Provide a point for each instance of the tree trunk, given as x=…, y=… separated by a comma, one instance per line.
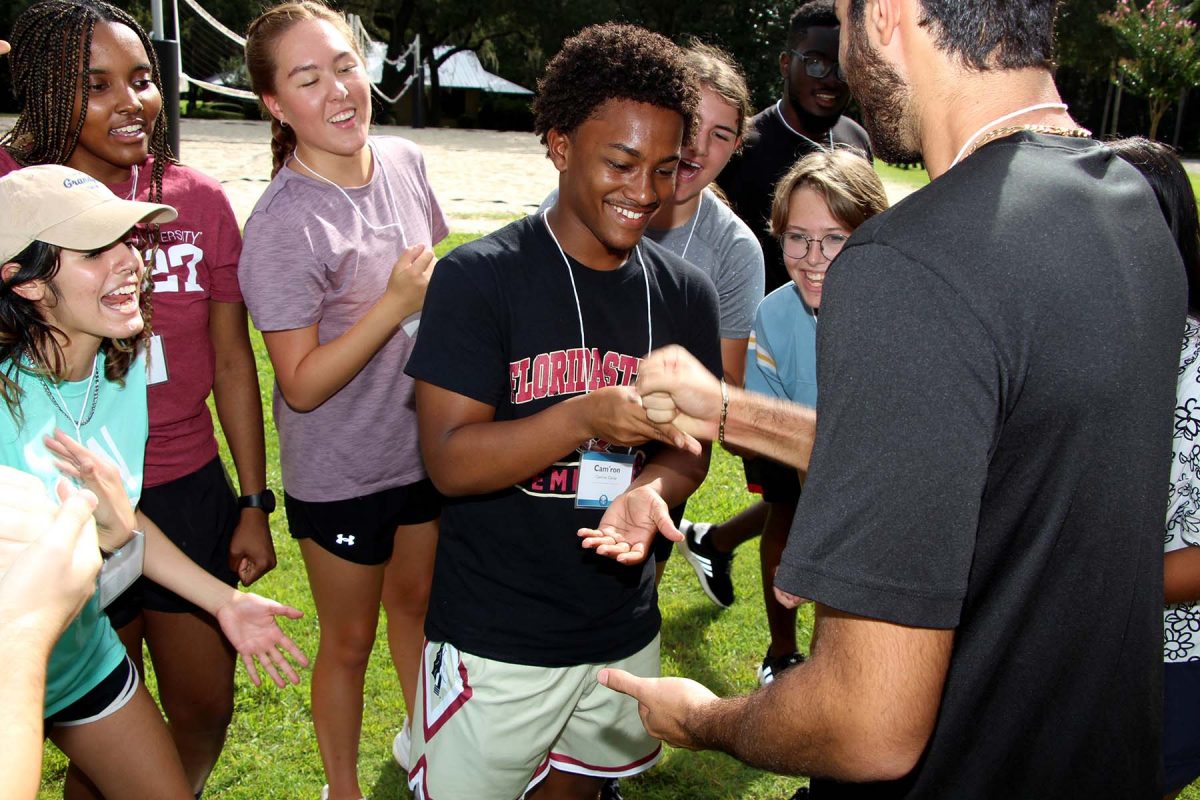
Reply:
x=1158, y=108
x=435, y=84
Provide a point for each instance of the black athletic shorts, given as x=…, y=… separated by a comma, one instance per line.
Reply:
x=363, y=529
x=104, y=699
x=777, y=483
x=198, y=513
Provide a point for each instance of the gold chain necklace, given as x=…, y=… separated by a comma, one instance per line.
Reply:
x=1053, y=130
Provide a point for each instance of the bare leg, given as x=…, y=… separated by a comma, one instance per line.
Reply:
x=559, y=785
x=194, y=665
x=781, y=621
x=406, y=583
x=347, y=598
x=741, y=527
x=78, y=786
x=127, y=755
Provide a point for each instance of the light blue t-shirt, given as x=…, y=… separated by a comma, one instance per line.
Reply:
x=89, y=648
x=781, y=357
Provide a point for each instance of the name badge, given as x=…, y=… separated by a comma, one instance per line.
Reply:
x=157, y=361
x=121, y=569
x=602, y=478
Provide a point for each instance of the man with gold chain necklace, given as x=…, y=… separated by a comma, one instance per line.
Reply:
x=981, y=525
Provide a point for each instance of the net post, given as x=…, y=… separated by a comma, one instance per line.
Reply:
x=167, y=51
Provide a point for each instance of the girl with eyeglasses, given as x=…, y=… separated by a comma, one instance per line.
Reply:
x=817, y=205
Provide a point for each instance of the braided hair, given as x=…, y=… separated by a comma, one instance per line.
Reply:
x=48, y=74
x=261, y=37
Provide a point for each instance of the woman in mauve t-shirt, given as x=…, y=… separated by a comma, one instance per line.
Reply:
x=336, y=259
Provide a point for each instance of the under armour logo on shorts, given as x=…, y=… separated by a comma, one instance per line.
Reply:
x=347, y=540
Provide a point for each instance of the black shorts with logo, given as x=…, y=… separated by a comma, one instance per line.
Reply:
x=363, y=529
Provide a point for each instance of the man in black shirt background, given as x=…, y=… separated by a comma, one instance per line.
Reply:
x=806, y=118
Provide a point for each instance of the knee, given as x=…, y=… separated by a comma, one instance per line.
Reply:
x=347, y=646
x=409, y=598
x=208, y=711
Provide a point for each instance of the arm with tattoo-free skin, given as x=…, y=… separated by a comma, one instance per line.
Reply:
x=685, y=398
x=862, y=708
x=49, y=557
x=456, y=429
x=309, y=372
x=239, y=407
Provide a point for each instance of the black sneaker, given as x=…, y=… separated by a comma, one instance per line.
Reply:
x=611, y=790
x=714, y=569
x=772, y=667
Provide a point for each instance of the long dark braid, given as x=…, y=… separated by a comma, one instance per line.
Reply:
x=47, y=71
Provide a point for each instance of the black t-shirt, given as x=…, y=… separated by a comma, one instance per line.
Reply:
x=997, y=358
x=511, y=581
x=769, y=150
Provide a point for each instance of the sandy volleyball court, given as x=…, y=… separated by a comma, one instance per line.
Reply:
x=482, y=179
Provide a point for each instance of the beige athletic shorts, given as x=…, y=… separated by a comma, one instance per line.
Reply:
x=489, y=730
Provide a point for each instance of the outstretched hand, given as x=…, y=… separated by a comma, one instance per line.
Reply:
x=629, y=526
x=664, y=704
x=249, y=623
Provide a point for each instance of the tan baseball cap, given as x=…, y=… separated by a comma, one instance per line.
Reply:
x=64, y=207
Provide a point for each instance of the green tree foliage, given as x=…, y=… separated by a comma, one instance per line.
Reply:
x=1160, y=51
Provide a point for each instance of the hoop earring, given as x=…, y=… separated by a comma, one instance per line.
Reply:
x=283, y=123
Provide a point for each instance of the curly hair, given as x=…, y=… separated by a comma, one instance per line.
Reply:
x=614, y=62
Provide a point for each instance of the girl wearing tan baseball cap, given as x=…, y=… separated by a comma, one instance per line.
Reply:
x=73, y=314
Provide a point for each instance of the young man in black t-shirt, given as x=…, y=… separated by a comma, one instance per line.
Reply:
x=530, y=342
x=981, y=528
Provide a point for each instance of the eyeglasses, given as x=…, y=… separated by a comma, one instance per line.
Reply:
x=818, y=66
x=795, y=245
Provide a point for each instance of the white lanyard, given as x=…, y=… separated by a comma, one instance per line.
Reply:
x=1003, y=118
x=587, y=356
x=88, y=401
x=695, y=219
x=783, y=119
x=387, y=186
